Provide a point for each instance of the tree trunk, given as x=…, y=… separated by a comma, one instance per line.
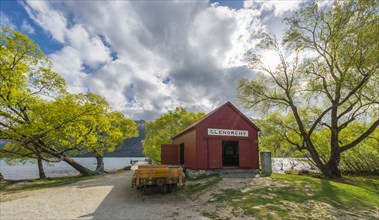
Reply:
x=41, y=171
x=100, y=164
x=330, y=169
x=62, y=156
x=82, y=170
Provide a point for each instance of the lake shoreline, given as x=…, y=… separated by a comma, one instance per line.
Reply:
x=62, y=169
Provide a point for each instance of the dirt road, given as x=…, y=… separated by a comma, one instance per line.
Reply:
x=109, y=197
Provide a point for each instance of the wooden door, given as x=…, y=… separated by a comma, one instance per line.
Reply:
x=214, y=154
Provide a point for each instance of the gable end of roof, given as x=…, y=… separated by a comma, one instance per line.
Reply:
x=201, y=120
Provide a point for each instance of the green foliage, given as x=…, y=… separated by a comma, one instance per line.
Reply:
x=362, y=158
x=110, y=131
x=280, y=135
x=365, y=156
x=43, y=120
x=161, y=130
x=26, y=82
x=277, y=134
x=327, y=79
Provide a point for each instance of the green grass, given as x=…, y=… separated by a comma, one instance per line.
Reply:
x=291, y=195
x=369, y=182
x=329, y=191
x=21, y=185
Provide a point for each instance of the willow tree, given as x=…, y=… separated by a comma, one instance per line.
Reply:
x=329, y=66
x=33, y=102
x=161, y=130
x=25, y=76
x=42, y=120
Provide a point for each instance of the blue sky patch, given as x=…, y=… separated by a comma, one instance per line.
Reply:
x=236, y=4
x=17, y=15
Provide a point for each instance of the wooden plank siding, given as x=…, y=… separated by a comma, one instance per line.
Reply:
x=203, y=151
x=189, y=140
x=170, y=154
x=227, y=118
x=215, y=154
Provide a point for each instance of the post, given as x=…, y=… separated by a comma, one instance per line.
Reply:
x=266, y=163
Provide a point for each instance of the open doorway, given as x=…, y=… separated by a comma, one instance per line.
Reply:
x=230, y=157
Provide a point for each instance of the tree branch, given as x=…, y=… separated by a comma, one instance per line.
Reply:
x=361, y=138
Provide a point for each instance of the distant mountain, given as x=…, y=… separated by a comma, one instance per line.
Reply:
x=132, y=147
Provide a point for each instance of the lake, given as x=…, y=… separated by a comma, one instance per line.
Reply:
x=30, y=170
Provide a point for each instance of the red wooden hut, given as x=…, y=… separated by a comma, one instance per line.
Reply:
x=223, y=139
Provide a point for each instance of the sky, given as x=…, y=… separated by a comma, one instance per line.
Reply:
x=148, y=57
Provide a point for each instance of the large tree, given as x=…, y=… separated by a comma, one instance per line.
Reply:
x=25, y=76
x=43, y=121
x=280, y=136
x=161, y=130
x=55, y=130
x=327, y=78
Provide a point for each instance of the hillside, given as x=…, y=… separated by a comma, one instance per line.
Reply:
x=131, y=147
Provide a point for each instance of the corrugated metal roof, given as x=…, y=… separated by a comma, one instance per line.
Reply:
x=196, y=123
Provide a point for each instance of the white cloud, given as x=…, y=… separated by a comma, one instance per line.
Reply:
x=186, y=53
x=91, y=49
x=25, y=26
x=279, y=7
x=6, y=21
x=68, y=64
x=50, y=20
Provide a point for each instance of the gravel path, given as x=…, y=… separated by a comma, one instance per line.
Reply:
x=109, y=197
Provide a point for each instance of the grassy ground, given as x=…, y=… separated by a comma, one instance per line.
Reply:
x=200, y=184
x=294, y=196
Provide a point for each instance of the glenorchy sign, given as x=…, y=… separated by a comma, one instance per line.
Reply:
x=226, y=132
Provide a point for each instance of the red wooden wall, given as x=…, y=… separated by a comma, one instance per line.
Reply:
x=170, y=154
x=189, y=141
x=203, y=152
x=226, y=118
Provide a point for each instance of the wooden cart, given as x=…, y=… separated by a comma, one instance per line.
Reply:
x=157, y=175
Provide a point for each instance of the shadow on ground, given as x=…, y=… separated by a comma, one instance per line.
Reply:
x=123, y=202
